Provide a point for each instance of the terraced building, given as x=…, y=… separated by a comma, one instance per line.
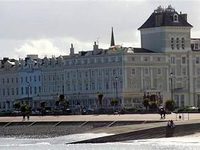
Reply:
x=167, y=66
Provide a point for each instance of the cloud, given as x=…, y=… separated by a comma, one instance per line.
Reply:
x=52, y=47
x=84, y=20
x=42, y=47
x=49, y=27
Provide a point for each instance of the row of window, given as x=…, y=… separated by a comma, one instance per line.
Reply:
x=93, y=60
x=146, y=71
x=20, y=91
x=173, y=60
x=81, y=74
x=184, y=60
x=159, y=71
x=158, y=59
x=21, y=79
x=94, y=73
x=183, y=71
x=177, y=43
x=55, y=77
x=86, y=86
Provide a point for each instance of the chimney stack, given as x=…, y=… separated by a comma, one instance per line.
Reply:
x=71, y=50
x=95, y=46
x=184, y=16
x=158, y=19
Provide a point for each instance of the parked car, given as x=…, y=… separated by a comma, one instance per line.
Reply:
x=16, y=112
x=5, y=113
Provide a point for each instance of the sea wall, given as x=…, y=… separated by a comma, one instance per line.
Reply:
x=157, y=132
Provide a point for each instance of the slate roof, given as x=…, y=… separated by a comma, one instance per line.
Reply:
x=167, y=20
x=142, y=50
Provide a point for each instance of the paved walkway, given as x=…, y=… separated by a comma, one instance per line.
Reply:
x=125, y=117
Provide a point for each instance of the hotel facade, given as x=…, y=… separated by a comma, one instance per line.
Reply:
x=167, y=66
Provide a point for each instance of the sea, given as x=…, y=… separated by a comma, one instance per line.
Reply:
x=62, y=143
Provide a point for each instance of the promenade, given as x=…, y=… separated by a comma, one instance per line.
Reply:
x=124, y=117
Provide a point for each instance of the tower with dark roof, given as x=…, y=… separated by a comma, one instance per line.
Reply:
x=165, y=31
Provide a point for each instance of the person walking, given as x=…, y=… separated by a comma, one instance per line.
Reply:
x=164, y=113
x=23, y=111
x=161, y=110
x=28, y=111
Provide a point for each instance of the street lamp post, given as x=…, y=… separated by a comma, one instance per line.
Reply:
x=28, y=90
x=63, y=90
x=171, y=83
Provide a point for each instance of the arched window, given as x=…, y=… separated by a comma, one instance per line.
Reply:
x=183, y=43
x=172, y=43
x=175, y=18
x=177, y=43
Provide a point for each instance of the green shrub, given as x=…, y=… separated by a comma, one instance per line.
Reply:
x=170, y=105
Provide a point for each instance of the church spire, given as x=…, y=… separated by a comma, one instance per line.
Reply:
x=112, y=43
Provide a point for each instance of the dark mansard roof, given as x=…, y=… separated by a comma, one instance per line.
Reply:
x=165, y=17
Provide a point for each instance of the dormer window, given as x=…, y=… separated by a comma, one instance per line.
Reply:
x=175, y=18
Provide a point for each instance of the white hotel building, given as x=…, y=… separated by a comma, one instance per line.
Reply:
x=166, y=65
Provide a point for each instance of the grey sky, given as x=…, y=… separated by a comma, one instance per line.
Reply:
x=48, y=27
